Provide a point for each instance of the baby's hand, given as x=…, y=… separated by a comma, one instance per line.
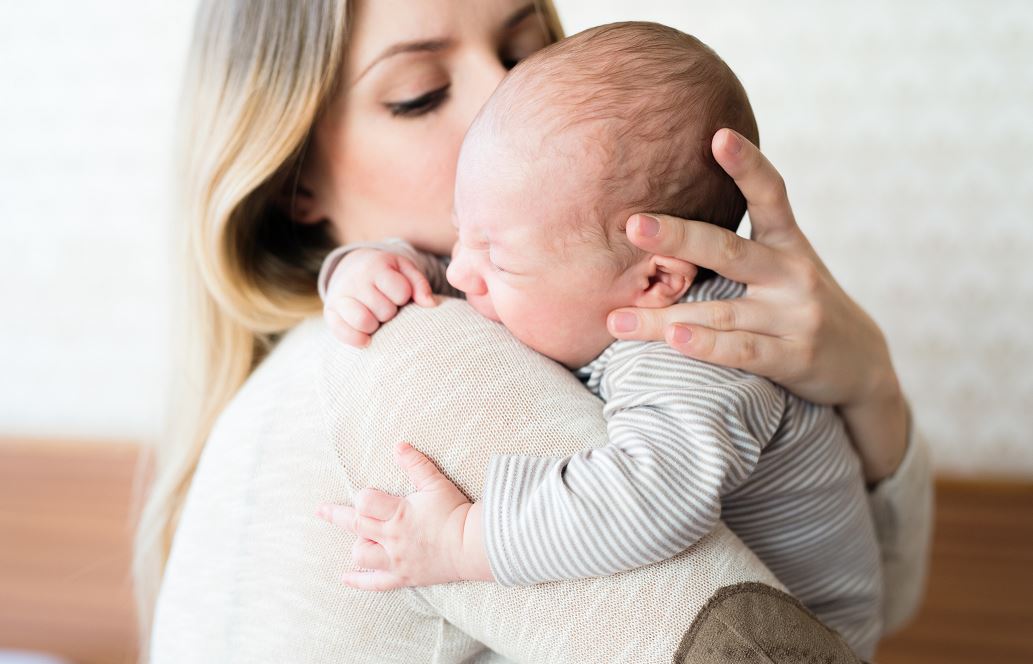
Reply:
x=366, y=289
x=429, y=537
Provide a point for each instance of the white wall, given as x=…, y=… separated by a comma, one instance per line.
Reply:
x=903, y=130
x=87, y=100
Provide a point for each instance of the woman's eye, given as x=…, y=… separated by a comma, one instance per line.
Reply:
x=421, y=105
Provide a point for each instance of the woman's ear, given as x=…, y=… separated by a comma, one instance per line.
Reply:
x=300, y=204
x=668, y=279
x=298, y=197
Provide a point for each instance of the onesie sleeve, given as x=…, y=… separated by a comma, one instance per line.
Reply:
x=681, y=433
x=432, y=266
x=902, y=509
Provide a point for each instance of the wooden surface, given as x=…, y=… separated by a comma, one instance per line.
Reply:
x=64, y=555
x=65, y=547
x=979, y=604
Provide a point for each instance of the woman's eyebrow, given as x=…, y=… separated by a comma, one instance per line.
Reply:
x=519, y=15
x=436, y=45
x=417, y=46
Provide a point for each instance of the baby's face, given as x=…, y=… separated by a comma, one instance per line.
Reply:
x=520, y=261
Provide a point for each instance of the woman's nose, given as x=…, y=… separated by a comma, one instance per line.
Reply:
x=484, y=74
x=464, y=276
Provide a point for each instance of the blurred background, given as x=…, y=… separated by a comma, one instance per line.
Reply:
x=903, y=129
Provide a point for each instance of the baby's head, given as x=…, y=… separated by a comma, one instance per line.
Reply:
x=615, y=120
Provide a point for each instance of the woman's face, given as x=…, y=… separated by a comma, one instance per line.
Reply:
x=383, y=158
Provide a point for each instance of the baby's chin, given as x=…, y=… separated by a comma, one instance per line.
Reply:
x=483, y=306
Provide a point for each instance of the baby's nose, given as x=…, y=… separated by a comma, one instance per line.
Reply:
x=463, y=276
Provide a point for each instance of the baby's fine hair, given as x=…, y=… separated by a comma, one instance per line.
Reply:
x=650, y=99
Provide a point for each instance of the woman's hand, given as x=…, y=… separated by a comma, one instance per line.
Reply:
x=428, y=537
x=795, y=325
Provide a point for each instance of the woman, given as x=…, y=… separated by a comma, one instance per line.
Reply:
x=311, y=124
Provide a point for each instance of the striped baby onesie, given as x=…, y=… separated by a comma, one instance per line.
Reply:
x=691, y=443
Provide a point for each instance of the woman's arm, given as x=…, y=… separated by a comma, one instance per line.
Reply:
x=902, y=508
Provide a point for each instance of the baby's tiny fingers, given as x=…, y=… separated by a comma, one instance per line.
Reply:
x=376, y=581
x=369, y=528
x=344, y=332
x=342, y=516
x=420, y=470
x=367, y=554
x=356, y=314
x=346, y=517
x=376, y=504
x=380, y=306
x=394, y=285
x=422, y=294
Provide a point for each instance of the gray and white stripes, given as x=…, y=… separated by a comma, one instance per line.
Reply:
x=691, y=443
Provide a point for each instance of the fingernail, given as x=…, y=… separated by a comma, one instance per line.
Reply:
x=734, y=143
x=681, y=334
x=622, y=321
x=648, y=226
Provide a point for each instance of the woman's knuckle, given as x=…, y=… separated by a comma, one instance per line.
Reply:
x=732, y=246
x=813, y=317
x=808, y=356
x=723, y=316
x=748, y=350
x=809, y=276
x=776, y=191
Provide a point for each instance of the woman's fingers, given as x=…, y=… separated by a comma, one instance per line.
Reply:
x=712, y=332
x=723, y=315
x=755, y=353
x=376, y=504
x=705, y=245
x=367, y=554
x=420, y=470
x=377, y=580
x=771, y=216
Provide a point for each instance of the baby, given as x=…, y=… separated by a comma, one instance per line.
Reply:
x=575, y=140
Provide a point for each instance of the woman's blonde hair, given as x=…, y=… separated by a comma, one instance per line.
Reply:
x=258, y=75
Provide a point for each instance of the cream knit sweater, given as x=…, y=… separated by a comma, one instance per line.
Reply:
x=253, y=574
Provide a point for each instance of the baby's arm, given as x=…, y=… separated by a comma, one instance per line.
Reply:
x=681, y=435
x=363, y=285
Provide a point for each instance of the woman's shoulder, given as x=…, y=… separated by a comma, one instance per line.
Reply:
x=453, y=383
x=448, y=342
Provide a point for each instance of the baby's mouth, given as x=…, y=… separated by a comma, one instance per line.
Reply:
x=483, y=306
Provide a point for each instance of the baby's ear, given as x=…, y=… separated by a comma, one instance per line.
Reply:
x=669, y=278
